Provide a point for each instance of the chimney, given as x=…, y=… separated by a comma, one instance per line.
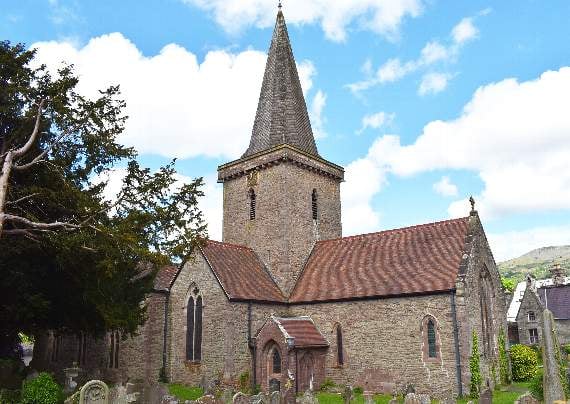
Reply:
x=531, y=282
x=557, y=273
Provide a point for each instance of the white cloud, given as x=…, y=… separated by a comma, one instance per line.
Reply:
x=464, y=31
x=432, y=53
x=376, y=121
x=433, y=83
x=515, y=135
x=445, y=187
x=516, y=243
x=335, y=16
x=177, y=106
x=316, y=114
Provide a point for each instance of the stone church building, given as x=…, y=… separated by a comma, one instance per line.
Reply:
x=288, y=300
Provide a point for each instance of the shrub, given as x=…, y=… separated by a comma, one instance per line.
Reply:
x=185, y=392
x=358, y=390
x=41, y=390
x=476, y=378
x=536, y=387
x=504, y=373
x=328, y=384
x=524, y=361
x=245, y=382
x=566, y=349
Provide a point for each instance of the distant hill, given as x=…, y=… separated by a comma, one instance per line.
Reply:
x=536, y=262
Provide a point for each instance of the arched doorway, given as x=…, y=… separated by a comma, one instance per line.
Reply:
x=306, y=371
x=274, y=366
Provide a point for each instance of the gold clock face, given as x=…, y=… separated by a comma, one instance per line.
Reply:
x=252, y=178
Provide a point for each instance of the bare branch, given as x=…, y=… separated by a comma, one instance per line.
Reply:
x=21, y=199
x=31, y=140
x=37, y=225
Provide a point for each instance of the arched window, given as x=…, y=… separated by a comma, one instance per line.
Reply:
x=276, y=359
x=314, y=205
x=486, y=303
x=251, y=204
x=339, y=348
x=432, y=352
x=114, y=339
x=194, y=311
x=430, y=345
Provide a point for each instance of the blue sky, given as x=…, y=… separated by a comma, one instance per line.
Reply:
x=424, y=102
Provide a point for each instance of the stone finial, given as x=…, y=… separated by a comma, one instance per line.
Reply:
x=472, y=202
x=531, y=282
x=557, y=274
x=279, y=5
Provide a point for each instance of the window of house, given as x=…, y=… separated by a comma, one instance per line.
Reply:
x=314, y=205
x=339, y=347
x=252, y=203
x=533, y=334
x=194, y=311
x=432, y=350
x=531, y=316
x=114, y=339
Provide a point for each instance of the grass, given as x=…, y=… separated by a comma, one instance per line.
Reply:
x=185, y=392
x=336, y=398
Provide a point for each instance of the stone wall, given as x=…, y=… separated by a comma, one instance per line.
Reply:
x=477, y=264
x=529, y=302
x=383, y=342
x=283, y=232
x=563, y=331
x=225, y=350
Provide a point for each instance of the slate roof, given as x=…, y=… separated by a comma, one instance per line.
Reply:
x=303, y=330
x=281, y=116
x=557, y=300
x=240, y=272
x=412, y=260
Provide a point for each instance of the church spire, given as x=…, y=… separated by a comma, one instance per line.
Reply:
x=282, y=116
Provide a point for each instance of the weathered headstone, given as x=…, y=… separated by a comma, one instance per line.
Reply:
x=486, y=397
x=413, y=398
x=553, y=390
x=308, y=398
x=227, y=396
x=94, y=392
x=240, y=398
x=275, y=397
x=527, y=398
x=347, y=394
x=124, y=394
x=207, y=399
x=167, y=399
x=260, y=398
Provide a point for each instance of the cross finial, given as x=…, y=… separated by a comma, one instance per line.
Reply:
x=472, y=202
x=279, y=5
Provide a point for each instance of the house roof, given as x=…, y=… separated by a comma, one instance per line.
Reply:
x=281, y=116
x=164, y=277
x=557, y=300
x=240, y=272
x=519, y=293
x=302, y=329
x=411, y=260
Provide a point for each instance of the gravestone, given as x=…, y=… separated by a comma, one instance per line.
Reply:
x=94, y=392
x=124, y=394
x=527, y=398
x=347, y=394
x=307, y=398
x=275, y=398
x=486, y=397
x=240, y=398
x=551, y=380
x=227, y=396
x=70, y=375
x=413, y=398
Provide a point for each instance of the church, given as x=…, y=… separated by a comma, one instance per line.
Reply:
x=286, y=301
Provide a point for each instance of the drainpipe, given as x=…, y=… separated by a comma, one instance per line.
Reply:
x=251, y=345
x=456, y=340
x=165, y=328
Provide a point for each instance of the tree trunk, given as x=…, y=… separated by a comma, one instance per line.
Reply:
x=4, y=177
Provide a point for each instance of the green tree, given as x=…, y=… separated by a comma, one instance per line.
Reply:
x=69, y=258
x=509, y=285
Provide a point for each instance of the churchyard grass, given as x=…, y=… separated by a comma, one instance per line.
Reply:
x=185, y=392
x=336, y=398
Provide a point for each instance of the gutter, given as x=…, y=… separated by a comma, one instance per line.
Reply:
x=456, y=341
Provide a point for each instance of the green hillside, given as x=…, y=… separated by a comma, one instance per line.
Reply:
x=536, y=262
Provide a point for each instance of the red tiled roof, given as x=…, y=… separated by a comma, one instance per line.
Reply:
x=418, y=259
x=241, y=273
x=165, y=277
x=303, y=330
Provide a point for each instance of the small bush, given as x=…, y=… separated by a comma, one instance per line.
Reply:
x=536, y=387
x=328, y=384
x=566, y=349
x=358, y=390
x=185, y=392
x=524, y=362
x=245, y=382
x=41, y=390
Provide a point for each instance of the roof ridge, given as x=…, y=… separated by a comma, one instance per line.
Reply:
x=396, y=230
x=224, y=243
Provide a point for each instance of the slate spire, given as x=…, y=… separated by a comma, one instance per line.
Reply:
x=282, y=116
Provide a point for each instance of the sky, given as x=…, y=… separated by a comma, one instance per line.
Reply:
x=424, y=102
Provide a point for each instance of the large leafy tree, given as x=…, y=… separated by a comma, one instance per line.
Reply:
x=70, y=258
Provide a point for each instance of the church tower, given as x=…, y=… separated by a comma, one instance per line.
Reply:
x=281, y=196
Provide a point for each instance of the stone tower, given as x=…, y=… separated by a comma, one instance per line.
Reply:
x=281, y=197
